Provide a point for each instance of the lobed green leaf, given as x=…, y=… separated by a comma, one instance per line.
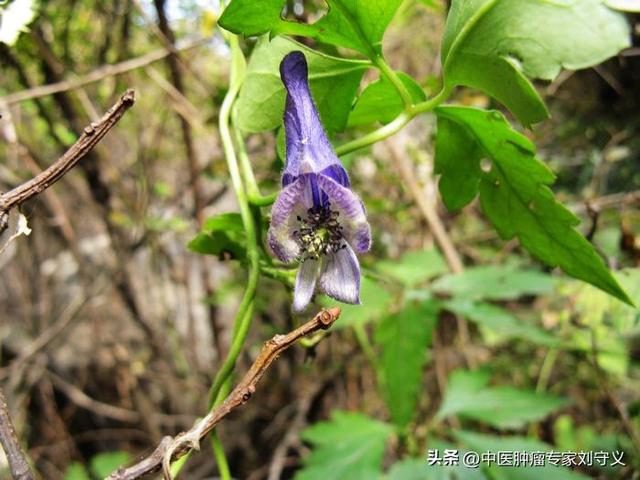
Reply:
x=404, y=338
x=349, y=447
x=515, y=196
x=493, y=45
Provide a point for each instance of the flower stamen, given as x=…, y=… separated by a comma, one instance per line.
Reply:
x=320, y=233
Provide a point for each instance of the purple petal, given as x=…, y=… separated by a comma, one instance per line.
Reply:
x=305, y=137
x=340, y=276
x=283, y=221
x=352, y=215
x=305, y=284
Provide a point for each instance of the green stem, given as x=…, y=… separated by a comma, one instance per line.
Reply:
x=221, y=459
x=253, y=191
x=395, y=125
x=245, y=310
x=393, y=77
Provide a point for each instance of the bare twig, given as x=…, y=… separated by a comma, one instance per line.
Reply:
x=18, y=464
x=170, y=450
x=91, y=135
x=99, y=73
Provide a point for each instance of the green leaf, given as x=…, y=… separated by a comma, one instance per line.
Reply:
x=494, y=282
x=515, y=196
x=231, y=222
x=493, y=45
x=500, y=321
x=349, y=447
x=375, y=302
x=468, y=395
x=481, y=443
x=76, y=471
x=348, y=23
x=404, y=339
x=380, y=101
x=221, y=235
x=458, y=164
x=103, y=464
x=414, y=268
x=333, y=81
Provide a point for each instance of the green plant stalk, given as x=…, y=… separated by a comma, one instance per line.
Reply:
x=253, y=191
x=395, y=125
x=393, y=77
x=221, y=458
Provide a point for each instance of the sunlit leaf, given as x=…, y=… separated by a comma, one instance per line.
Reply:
x=413, y=268
x=493, y=45
x=469, y=396
x=348, y=23
x=375, y=300
x=501, y=321
x=103, y=464
x=333, y=81
x=494, y=282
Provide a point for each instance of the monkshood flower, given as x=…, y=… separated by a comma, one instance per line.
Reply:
x=316, y=220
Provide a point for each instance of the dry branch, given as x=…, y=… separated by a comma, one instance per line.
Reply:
x=91, y=135
x=170, y=450
x=18, y=464
x=99, y=73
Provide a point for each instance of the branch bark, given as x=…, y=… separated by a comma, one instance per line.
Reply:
x=169, y=450
x=18, y=464
x=99, y=73
x=91, y=135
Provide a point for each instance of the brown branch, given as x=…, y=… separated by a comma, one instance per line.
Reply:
x=18, y=464
x=171, y=450
x=91, y=135
x=98, y=74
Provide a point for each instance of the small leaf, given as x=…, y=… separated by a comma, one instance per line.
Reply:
x=349, y=447
x=381, y=102
x=483, y=47
x=103, y=464
x=414, y=268
x=76, y=471
x=502, y=407
x=348, y=23
x=375, y=301
x=220, y=235
x=333, y=81
x=515, y=196
x=404, y=338
x=494, y=282
x=501, y=321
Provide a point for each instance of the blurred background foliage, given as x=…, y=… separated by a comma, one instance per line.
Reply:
x=118, y=308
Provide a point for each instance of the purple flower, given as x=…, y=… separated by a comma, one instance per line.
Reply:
x=316, y=219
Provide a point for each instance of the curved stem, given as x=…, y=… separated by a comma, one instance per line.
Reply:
x=395, y=125
x=393, y=77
